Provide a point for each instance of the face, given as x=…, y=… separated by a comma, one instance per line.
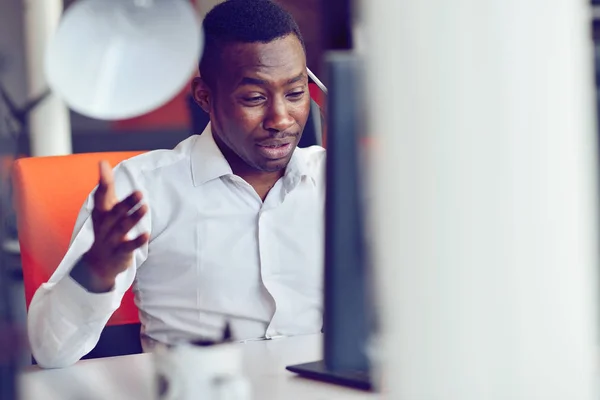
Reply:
x=259, y=103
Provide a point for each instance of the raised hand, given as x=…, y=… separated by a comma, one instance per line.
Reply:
x=112, y=251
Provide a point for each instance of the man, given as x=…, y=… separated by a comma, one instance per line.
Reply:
x=227, y=227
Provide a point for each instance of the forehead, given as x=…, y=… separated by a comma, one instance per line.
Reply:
x=278, y=60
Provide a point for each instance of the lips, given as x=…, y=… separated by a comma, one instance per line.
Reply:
x=274, y=149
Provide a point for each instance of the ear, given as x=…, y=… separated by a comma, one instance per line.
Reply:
x=202, y=94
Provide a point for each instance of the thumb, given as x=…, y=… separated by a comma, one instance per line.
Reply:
x=106, y=187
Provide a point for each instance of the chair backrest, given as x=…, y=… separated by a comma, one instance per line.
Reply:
x=48, y=194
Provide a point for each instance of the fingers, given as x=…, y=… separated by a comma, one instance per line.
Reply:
x=105, y=198
x=130, y=245
x=125, y=224
x=113, y=219
x=105, y=173
x=109, y=219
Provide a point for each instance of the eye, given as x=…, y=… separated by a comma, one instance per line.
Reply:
x=253, y=100
x=296, y=95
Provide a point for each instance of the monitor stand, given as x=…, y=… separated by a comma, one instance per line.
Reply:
x=318, y=371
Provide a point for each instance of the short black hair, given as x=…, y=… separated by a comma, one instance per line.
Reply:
x=242, y=21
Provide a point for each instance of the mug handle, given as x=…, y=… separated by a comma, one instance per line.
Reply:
x=167, y=374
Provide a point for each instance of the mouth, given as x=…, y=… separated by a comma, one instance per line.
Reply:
x=275, y=149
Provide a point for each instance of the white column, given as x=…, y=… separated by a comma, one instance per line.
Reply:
x=486, y=202
x=49, y=122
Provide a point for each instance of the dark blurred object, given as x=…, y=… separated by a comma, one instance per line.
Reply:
x=596, y=39
x=104, y=140
x=312, y=135
x=307, y=14
x=337, y=25
x=13, y=125
x=19, y=115
x=8, y=332
x=117, y=340
x=348, y=309
x=347, y=321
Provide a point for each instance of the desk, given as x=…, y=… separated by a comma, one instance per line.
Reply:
x=131, y=377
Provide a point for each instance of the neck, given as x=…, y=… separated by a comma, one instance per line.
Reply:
x=261, y=181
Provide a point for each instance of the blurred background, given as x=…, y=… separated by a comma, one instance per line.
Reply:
x=158, y=129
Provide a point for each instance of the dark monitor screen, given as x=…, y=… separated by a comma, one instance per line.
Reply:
x=348, y=318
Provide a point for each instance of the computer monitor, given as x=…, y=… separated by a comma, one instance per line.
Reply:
x=348, y=316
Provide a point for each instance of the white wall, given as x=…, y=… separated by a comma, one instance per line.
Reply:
x=486, y=198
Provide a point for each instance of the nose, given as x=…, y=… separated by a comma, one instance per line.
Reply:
x=278, y=118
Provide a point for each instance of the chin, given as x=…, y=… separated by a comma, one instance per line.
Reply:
x=273, y=165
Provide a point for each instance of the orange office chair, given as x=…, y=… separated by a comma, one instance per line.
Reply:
x=48, y=194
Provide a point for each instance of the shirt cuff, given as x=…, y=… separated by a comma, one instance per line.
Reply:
x=81, y=305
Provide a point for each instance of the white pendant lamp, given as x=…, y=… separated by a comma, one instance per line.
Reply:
x=117, y=59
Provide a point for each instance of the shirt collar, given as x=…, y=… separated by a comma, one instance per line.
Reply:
x=297, y=169
x=208, y=162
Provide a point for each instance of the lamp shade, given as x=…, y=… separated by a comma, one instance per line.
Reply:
x=117, y=59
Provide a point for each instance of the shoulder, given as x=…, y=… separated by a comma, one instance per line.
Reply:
x=135, y=173
x=158, y=159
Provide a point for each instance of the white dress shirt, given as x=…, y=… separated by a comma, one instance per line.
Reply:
x=216, y=253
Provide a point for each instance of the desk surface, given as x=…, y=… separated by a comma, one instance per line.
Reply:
x=131, y=377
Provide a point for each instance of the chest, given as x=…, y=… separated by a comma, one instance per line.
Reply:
x=221, y=233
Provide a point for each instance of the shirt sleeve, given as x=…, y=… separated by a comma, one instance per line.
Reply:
x=64, y=319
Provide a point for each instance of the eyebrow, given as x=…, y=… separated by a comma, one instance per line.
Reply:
x=298, y=78
x=252, y=81
x=261, y=82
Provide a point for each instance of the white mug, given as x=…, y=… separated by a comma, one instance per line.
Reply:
x=191, y=372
